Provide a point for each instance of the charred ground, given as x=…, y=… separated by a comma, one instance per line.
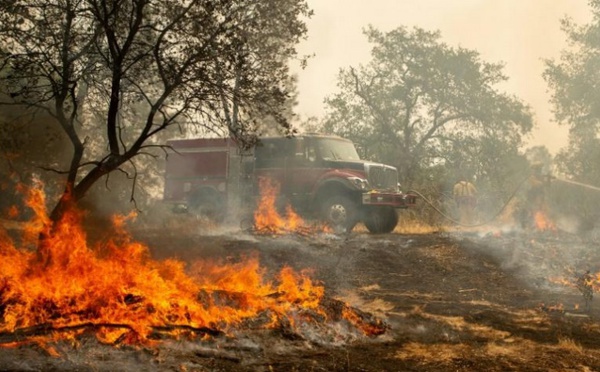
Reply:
x=454, y=301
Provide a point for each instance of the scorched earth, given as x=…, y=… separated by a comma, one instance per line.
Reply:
x=481, y=300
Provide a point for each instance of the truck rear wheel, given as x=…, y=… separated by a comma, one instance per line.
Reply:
x=340, y=213
x=207, y=203
x=381, y=220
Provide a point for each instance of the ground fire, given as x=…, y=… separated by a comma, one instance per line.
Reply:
x=267, y=219
x=543, y=222
x=266, y=216
x=116, y=290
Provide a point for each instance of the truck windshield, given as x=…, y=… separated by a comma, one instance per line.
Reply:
x=335, y=149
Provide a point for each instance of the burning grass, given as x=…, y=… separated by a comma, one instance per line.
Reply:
x=66, y=287
x=413, y=226
x=543, y=222
x=268, y=220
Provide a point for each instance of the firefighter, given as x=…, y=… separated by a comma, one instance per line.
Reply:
x=534, y=198
x=465, y=197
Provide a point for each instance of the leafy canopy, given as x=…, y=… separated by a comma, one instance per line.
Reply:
x=574, y=80
x=124, y=71
x=420, y=103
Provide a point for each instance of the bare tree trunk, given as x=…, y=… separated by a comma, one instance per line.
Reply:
x=68, y=203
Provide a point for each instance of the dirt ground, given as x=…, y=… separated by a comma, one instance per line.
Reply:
x=484, y=300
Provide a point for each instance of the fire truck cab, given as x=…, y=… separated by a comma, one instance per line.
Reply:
x=320, y=176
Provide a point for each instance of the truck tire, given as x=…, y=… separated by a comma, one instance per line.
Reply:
x=207, y=203
x=381, y=220
x=340, y=213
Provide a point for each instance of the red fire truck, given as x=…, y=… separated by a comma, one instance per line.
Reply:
x=320, y=176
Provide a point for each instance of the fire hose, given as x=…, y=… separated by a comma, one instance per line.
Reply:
x=441, y=213
x=578, y=184
x=505, y=204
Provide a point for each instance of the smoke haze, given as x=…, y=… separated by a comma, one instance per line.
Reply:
x=521, y=34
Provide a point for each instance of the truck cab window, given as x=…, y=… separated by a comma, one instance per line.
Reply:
x=272, y=153
x=335, y=149
x=311, y=154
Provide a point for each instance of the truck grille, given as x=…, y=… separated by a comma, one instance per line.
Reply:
x=382, y=177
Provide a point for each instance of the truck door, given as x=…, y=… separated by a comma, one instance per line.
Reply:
x=304, y=169
x=271, y=157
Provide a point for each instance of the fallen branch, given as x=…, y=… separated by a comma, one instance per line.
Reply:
x=203, y=330
x=44, y=329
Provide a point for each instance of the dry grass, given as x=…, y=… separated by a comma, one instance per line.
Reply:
x=458, y=323
x=512, y=348
x=376, y=306
x=571, y=345
x=416, y=227
x=515, y=351
x=443, y=353
x=372, y=287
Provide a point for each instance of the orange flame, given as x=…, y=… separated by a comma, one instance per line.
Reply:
x=542, y=222
x=587, y=282
x=266, y=217
x=124, y=295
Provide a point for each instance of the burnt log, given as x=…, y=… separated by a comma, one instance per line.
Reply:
x=337, y=310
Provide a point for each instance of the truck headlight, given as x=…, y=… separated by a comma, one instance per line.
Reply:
x=359, y=183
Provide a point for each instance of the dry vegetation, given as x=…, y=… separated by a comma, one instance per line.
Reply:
x=454, y=301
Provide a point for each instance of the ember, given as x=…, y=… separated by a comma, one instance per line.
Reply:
x=124, y=296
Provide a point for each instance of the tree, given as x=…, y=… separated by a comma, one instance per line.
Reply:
x=420, y=103
x=574, y=81
x=131, y=69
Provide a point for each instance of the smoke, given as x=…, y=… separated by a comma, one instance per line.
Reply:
x=521, y=34
x=550, y=261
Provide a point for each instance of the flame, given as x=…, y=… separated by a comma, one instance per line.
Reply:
x=542, y=222
x=557, y=308
x=266, y=217
x=116, y=289
x=587, y=283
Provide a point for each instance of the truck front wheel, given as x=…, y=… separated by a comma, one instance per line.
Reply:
x=340, y=213
x=381, y=220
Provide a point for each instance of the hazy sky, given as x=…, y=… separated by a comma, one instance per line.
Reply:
x=519, y=33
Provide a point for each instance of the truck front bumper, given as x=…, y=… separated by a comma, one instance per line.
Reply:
x=396, y=200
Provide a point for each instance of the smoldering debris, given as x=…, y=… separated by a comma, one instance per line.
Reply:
x=554, y=260
x=247, y=344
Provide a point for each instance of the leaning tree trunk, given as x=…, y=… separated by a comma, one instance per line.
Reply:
x=67, y=204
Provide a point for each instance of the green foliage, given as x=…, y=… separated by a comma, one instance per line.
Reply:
x=574, y=77
x=420, y=102
x=574, y=81
x=431, y=110
x=115, y=75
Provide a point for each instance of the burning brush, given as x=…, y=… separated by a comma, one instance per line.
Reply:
x=268, y=221
x=586, y=283
x=119, y=293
